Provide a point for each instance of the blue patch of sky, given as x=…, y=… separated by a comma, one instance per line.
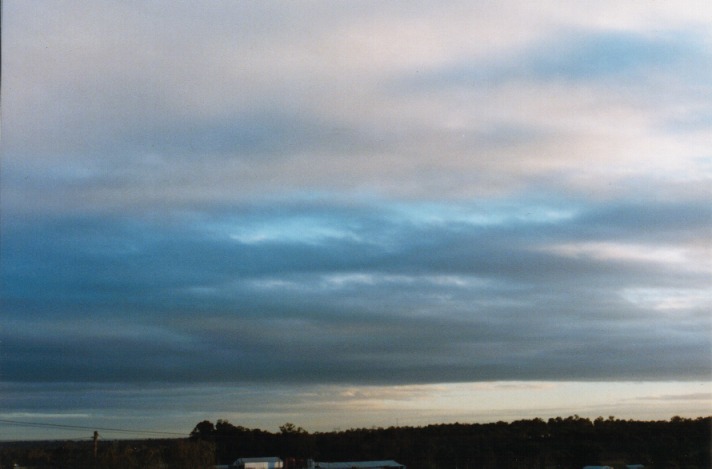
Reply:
x=482, y=214
x=577, y=57
x=601, y=55
x=373, y=223
x=292, y=229
x=691, y=121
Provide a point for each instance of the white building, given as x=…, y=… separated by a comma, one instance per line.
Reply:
x=258, y=463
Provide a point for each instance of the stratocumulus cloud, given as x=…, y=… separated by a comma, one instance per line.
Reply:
x=238, y=195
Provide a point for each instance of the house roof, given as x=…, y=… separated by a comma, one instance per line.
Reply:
x=357, y=464
x=273, y=459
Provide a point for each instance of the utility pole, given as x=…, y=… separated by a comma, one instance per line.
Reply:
x=96, y=445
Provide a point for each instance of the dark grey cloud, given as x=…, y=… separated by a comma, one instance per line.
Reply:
x=374, y=300
x=108, y=261
x=365, y=351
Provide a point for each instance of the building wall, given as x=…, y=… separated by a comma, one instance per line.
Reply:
x=263, y=465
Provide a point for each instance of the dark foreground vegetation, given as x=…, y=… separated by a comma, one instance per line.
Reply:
x=559, y=443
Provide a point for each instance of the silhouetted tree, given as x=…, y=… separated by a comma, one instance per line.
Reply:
x=205, y=431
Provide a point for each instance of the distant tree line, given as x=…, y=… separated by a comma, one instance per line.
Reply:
x=565, y=443
x=557, y=443
x=181, y=453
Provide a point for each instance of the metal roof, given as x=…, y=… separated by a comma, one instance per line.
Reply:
x=265, y=459
x=357, y=464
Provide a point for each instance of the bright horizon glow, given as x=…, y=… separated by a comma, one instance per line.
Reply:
x=322, y=408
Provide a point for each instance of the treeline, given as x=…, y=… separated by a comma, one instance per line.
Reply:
x=557, y=443
x=120, y=454
x=565, y=443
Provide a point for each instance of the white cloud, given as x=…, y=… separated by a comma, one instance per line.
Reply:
x=683, y=258
x=670, y=300
x=115, y=81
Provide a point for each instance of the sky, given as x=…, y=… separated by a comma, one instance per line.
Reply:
x=353, y=214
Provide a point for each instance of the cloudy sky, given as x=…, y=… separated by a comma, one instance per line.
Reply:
x=348, y=214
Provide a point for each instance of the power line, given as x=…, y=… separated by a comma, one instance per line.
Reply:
x=81, y=427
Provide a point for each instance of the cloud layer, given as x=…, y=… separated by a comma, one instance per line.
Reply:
x=320, y=194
